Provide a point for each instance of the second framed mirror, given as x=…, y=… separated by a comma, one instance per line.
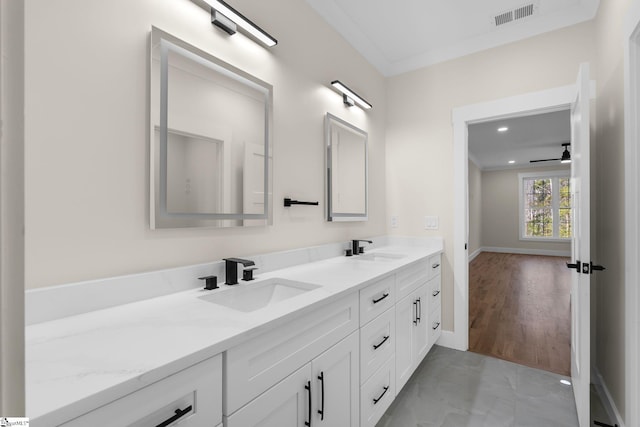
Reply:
x=347, y=170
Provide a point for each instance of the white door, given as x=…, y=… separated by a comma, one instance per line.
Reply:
x=336, y=394
x=287, y=404
x=580, y=251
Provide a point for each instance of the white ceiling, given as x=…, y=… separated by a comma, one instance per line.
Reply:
x=528, y=138
x=397, y=36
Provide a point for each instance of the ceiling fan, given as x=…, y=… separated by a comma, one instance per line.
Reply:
x=566, y=155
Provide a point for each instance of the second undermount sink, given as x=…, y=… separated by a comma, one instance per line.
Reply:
x=250, y=297
x=379, y=256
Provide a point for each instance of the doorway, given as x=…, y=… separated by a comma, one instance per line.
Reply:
x=577, y=98
x=527, y=104
x=519, y=211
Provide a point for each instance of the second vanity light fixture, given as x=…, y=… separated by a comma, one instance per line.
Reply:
x=228, y=19
x=349, y=97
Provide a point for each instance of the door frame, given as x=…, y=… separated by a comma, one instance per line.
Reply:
x=632, y=210
x=555, y=99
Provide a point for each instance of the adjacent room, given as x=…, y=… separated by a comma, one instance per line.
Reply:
x=520, y=221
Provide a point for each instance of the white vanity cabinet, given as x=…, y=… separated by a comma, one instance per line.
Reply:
x=323, y=392
x=189, y=398
x=281, y=377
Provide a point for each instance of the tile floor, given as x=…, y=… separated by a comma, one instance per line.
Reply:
x=463, y=389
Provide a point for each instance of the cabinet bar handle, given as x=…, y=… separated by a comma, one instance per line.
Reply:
x=375, y=301
x=179, y=413
x=415, y=312
x=436, y=326
x=435, y=266
x=419, y=301
x=321, y=411
x=308, y=388
x=436, y=293
x=386, y=337
x=375, y=401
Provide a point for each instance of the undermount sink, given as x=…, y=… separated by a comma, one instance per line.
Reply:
x=379, y=256
x=254, y=296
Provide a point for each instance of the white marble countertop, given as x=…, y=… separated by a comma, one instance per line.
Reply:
x=84, y=361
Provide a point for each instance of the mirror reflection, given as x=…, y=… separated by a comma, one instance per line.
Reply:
x=211, y=124
x=346, y=171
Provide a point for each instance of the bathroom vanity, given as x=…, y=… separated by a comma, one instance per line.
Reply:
x=317, y=339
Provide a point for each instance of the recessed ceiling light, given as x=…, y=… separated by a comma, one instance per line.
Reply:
x=565, y=382
x=503, y=129
x=511, y=162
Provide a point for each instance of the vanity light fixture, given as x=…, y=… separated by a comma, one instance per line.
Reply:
x=349, y=97
x=228, y=19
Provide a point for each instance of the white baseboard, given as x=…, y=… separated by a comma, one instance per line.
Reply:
x=525, y=251
x=474, y=254
x=605, y=397
x=448, y=339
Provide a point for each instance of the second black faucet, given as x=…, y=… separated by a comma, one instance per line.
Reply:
x=355, y=246
x=231, y=269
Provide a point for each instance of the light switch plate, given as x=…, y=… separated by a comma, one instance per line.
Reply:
x=431, y=222
x=394, y=221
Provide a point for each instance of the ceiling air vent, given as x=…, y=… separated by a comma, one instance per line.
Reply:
x=523, y=12
x=503, y=18
x=514, y=14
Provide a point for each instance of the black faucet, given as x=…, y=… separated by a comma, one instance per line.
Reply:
x=355, y=245
x=231, y=269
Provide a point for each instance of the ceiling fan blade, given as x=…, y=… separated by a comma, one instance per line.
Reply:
x=543, y=160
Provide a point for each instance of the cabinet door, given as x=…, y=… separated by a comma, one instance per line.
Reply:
x=421, y=329
x=336, y=394
x=406, y=310
x=287, y=404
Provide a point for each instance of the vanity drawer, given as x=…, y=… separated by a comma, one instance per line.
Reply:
x=377, y=394
x=410, y=278
x=435, y=292
x=435, y=326
x=254, y=366
x=377, y=298
x=195, y=392
x=377, y=343
x=435, y=265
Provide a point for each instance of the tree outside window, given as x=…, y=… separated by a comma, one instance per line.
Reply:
x=545, y=206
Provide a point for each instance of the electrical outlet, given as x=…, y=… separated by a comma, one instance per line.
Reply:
x=394, y=221
x=431, y=222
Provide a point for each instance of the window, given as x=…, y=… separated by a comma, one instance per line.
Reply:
x=545, y=206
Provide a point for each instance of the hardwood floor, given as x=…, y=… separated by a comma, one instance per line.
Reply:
x=519, y=310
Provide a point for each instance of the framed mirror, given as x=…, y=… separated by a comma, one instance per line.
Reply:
x=347, y=175
x=210, y=140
